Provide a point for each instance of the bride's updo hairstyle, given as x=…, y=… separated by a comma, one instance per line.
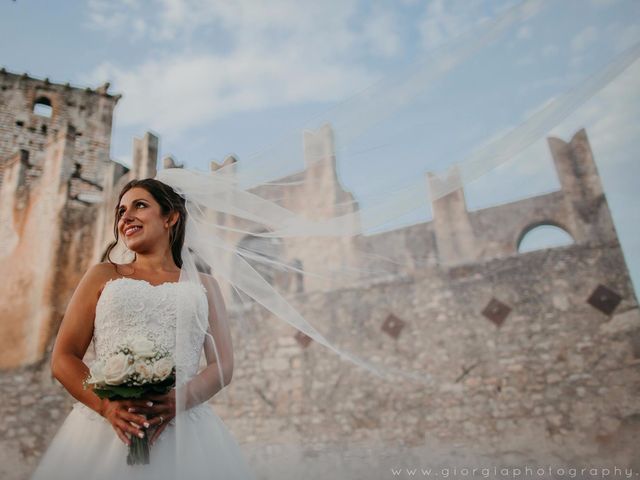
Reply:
x=169, y=202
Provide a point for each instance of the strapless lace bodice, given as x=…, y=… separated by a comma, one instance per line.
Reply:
x=130, y=307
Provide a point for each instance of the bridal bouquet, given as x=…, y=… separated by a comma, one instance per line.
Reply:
x=137, y=368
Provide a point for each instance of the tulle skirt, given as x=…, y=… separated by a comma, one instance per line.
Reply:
x=87, y=448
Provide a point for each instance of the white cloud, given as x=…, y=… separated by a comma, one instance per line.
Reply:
x=580, y=42
x=110, y=16
x=584, y=39
x=273, y=53
x=612, y=116
x=624, y=36
x=444, y=20
x=180, y=92
x=524, y=33
x=576, y=61
x=440, y=23
x=525, y=61
x=381, y=32
x=103, y=17
x=321, y=25
x=139, y=27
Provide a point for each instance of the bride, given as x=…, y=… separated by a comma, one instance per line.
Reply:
x=116, y=301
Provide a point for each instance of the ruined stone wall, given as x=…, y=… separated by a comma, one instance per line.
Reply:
x=552, y=377
x=315, y=193
x=89, y=111
x=52, y=170
x=413, y=247
x=580, y=208
x=41, y=239
x=537, y=354
x=455, y=236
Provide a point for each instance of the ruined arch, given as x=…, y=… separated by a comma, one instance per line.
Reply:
x=543, y=234
x=43, y=107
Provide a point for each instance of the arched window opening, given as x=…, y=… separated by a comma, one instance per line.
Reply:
x=542, y=236
x=42, y=107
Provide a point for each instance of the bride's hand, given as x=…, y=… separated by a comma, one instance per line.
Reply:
x=121, y=414
x=161, y=412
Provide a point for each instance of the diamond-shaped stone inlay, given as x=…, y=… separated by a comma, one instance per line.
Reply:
x=496, y=311
x=604, y=299
x=393, y=325
x=303, y=339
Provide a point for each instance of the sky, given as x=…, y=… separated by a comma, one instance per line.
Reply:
x=213, y=78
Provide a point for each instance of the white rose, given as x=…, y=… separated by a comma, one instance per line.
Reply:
x=144, y=370
x=143, y=347
x=118, y=368
x=97, y=372
x=163, y=367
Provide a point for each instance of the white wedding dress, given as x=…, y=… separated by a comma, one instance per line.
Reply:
x=86, y=447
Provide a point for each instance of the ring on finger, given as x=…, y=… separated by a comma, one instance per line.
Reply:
x=161, y=419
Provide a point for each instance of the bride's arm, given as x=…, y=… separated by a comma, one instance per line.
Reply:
x=71, y=344
x=74, y=337
x=219, y=370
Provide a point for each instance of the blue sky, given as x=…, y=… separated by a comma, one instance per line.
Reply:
x=214, y=77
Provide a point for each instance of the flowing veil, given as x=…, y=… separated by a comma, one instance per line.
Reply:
x=302, y=288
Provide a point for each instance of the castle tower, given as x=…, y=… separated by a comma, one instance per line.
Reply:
x=454, y=234
x=145, y=156
x=32, y=109
x=584, y=199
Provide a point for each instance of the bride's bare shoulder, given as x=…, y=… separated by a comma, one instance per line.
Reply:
x=100, y=273
x=104, y=269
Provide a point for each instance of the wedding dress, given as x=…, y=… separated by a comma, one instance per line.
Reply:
x=86, y=446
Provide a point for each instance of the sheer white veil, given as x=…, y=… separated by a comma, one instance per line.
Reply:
x=247, y=228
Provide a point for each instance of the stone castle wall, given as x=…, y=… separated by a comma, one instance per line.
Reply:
x=44, y=249
x=556, y=381
x=52, y=166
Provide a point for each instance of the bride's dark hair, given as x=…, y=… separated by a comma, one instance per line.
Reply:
x=169, y=202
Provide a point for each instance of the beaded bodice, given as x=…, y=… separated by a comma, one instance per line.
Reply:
x=130, y=307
